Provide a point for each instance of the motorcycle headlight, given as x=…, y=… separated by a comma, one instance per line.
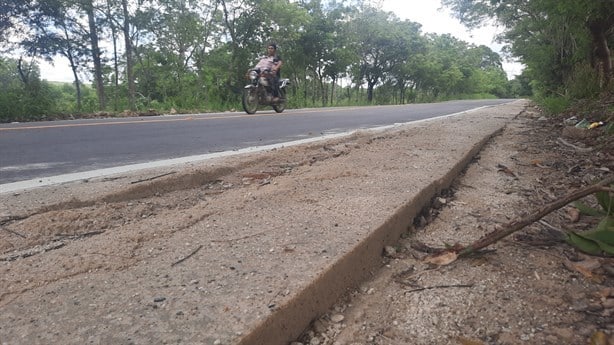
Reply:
x=253, y=75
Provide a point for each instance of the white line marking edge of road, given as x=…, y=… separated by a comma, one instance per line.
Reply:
x=59, y=179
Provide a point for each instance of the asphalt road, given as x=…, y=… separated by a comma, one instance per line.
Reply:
x=37, y=150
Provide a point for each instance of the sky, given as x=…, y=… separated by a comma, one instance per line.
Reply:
x=425, y=12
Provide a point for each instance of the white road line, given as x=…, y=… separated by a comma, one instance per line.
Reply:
x=59, y=179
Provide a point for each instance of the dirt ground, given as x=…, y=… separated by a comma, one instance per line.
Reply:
x=530, y=288
x=114, y=261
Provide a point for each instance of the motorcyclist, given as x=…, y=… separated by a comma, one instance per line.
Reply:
x=273, y=62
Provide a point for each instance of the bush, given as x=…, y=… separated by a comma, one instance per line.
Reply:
x=583, y=82
x=553, y=104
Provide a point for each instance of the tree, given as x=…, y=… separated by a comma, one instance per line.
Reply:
x=376, y=39
x=55, y=28
x=10, y=13
x=193, y=54
x=323, y=48
x=88, y=7
x=550, y=36
x=23, y=95
x=407, y=55
x=128, y=53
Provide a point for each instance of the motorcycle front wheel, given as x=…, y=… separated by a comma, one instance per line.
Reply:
x=250, y=100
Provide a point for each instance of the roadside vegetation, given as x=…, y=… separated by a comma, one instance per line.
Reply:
x=166, y=56
x=175, y=56
x=564, y=44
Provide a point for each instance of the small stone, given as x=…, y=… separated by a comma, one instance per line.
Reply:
x=439, y=202
x=319, y=326
x=390, y=251
x=159, y=299
x=337, y=318
x=608, y=303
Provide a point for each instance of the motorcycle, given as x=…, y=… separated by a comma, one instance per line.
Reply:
x=259, y=91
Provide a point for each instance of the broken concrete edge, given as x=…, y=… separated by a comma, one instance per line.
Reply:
x=290, y=320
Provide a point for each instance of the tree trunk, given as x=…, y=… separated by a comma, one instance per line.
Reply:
x=129, y=63
x=23, y=75
x=601, y=49
x=115, y=59
x=332, y=91
x=322, y=92
x=73, y=67
x=370, y=87
x=93, y=35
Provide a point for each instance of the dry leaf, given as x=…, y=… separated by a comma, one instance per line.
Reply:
x=605, y=293
x=586, y=268
x=599, y=338
x=538, y=163
x=442, y=259
x=573, y=214
x=506, y=170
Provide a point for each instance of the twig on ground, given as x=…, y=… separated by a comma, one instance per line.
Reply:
x=511, y=227
x=33, y=251
x=507, y=171
x=152, y=178
x=112, y=255
x=422, y=247
x=187, y=257
x=550, y=226
x=14, y=233
x=14, y=219
x=440, y=287
x=577, y=148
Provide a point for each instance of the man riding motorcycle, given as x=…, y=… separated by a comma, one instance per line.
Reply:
x=273, y=63
x=265, y=87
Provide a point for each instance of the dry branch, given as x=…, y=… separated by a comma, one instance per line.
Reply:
x=187, y=257
x=14, y=232
x=440, y=287
x=152, y=178
x=577, y=148
x=511, y=227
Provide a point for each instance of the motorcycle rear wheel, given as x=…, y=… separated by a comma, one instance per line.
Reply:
x=250, y=101
x=281, y=106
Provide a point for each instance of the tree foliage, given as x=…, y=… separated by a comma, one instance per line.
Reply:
x=22, y=94
x=192, y=54
x=555, y=39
